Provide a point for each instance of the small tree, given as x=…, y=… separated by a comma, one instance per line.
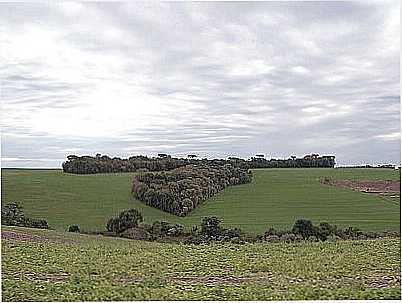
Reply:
x=210, y=226
x=304, y=227
x=325, y=230
x=126, y=219
x=74, y=229
x=12, y=214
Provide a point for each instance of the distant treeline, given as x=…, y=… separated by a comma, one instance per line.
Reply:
x=181, y=190
x=105, y=164
x=390, y=166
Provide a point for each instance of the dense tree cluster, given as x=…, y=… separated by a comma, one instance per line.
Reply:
x=307, y=161
x=181, y=190
x=304, y=229
x=13, y=215
x=105, y=164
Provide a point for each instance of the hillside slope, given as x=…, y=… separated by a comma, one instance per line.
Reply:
x=276, y=197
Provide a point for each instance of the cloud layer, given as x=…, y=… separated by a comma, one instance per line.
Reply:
x=215, y=79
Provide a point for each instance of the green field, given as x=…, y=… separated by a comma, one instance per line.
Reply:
x=56, y=266
x=276, y=197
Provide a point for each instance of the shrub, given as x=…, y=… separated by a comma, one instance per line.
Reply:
x=288, y=237
x=304, y=227
x=36, y=223
x=136, y=233
x=12, y=214
x=325, y=230
x=74, y=229
x=126, y=219
x=210, y=227
x=272, y=238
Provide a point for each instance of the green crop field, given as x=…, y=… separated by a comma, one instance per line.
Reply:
x=276, y=197
x=55, y=266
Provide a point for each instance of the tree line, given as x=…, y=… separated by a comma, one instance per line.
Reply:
x=105, y=164
x=182, y=189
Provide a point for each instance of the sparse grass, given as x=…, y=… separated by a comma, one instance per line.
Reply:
x=72, y=267
x=276, y=197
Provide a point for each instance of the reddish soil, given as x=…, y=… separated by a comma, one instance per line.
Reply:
x=373, y=187
x=18, y=236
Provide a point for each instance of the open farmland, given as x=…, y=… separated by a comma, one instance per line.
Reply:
x=276, y=197
x=40, y=265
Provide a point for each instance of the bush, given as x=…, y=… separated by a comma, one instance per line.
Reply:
x=272, y=238
x=126, y=219
x=210, y=227
x=136, y=233
x=325, y=230
x=36, y=223
x=74, y=229
x=304, y=227
x=162, y=228
x=288, y=237
x=12, y=214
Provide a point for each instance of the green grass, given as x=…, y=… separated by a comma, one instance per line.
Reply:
x=276, y=197
x=90, y=268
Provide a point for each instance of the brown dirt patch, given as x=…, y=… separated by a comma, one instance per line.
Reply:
x=225, y=280
x=385, y=281
x=49, y=277
x=18, y=236
x=371, y=187
x=129, y=279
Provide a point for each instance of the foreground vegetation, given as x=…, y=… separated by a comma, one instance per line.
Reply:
x=53, y=266
x=276, y=197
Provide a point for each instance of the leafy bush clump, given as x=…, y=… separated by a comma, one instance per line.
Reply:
x=13, y=215
x=304, y=229
x=74, y=229
x=212, y=231
x=126, y=219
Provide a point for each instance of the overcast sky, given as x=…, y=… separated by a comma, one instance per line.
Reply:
x=214, y=79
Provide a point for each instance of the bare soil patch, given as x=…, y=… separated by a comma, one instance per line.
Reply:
x=385, y=281
x=371, y=187
x=225, y=280
x=18, y=236
x=54, y=278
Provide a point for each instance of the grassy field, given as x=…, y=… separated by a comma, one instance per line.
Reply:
x=53, y=266
x=276, y=197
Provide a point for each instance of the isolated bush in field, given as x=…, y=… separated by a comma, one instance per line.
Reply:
x=231, y=233
x=74, y=229
x=12, y=214
x=137, y=233
x=126, y=219
x=36, y=223
x=325, y=230
x=210, y=227
x=304, y=227
x=162, y=228
x=272, y=238
x=271, y=232
x=288, y=237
